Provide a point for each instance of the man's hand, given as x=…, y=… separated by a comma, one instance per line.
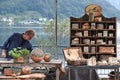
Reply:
x=4, y=53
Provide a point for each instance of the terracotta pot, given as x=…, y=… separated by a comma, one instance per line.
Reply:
x=24, y=59
x=26, y=70
x=47, y=57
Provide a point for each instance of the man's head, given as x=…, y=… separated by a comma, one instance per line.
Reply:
x=29, y=34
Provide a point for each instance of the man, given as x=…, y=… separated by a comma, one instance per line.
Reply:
x=18, y=40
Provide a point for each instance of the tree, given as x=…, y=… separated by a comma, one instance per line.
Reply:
x=47, y=43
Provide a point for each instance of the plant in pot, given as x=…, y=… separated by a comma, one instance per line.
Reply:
x=19, y=54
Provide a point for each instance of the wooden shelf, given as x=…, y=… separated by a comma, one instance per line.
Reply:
x=91, y=35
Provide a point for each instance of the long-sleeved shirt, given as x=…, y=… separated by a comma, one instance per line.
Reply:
x=15, y=41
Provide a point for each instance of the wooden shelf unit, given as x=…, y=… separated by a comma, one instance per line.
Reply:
x=94, y=37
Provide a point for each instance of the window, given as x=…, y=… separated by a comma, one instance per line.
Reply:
x=18, y=15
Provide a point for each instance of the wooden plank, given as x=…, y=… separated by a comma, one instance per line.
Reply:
x=29, y=76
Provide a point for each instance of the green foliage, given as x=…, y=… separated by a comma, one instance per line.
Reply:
x=49, y=28
x=18, y=52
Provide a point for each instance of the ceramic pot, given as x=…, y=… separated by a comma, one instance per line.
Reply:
x=26, y=70
x=47, y=57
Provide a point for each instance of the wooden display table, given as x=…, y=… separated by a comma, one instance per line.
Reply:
x=24, y=77
x=52, y=63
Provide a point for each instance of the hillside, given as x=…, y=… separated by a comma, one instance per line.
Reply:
x=45, y=8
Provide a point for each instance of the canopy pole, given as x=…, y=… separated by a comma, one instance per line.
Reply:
x=56, y=46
